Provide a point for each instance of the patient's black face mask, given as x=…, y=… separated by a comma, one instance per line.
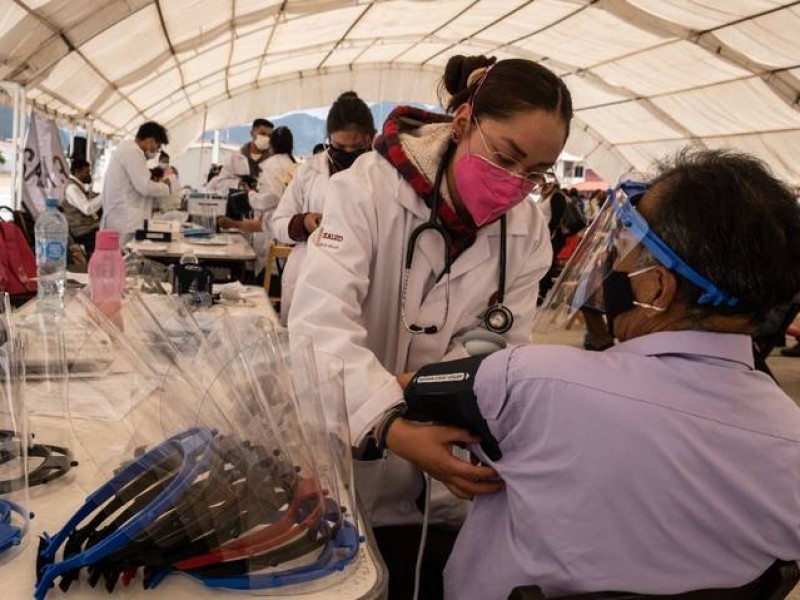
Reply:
x=343, y=159
x=617, y=297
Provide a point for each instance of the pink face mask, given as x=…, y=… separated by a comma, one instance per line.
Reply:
x=487, y=190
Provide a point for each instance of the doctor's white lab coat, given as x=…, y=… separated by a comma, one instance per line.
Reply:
x=128, y=192
x=348, y=300
x=265, y=199
x=306, y=193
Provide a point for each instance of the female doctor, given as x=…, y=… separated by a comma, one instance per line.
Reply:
x=350, y=129
x=422, y=242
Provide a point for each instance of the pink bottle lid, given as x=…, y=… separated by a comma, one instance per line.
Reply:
x=107, y=239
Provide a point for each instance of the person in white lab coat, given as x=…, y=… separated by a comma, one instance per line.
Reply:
x=350, y=128
x=247, y=161
x=275, y=171
x=464, y=176
x=128, y=192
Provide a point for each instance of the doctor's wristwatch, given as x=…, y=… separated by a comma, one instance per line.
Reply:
x=373, y=446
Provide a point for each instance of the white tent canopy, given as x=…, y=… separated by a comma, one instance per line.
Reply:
x=647, y=76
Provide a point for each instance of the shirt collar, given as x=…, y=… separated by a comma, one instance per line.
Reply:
x=732, y=347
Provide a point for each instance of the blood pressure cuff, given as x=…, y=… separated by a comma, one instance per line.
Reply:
x=443, y=392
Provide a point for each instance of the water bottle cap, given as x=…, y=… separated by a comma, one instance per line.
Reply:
x=51, y=202
x=107, y=239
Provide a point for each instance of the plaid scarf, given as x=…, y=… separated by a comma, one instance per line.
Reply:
x=388, y=145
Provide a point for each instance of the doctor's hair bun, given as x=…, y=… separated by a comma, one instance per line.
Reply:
x=458, y=70
x=350, y=112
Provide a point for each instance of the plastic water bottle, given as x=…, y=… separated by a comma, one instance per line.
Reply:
x=107, y=274
x=51, y=233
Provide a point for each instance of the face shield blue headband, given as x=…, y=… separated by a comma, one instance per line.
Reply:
x=589, y=280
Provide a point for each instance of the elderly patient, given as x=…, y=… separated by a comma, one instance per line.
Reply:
x=666, y=463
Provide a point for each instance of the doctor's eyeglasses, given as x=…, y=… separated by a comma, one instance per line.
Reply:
x=510, y=166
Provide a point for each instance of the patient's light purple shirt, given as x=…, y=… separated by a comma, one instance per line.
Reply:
x=664, y=464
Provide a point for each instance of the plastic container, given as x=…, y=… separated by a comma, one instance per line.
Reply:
x=107, y=273
x=51, y=233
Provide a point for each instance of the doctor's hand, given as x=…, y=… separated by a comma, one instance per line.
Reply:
x=430, y=447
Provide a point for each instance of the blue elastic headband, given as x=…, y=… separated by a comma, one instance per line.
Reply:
x=197, y=448
x=632, y=220
x=330, y=561
x=11, y=535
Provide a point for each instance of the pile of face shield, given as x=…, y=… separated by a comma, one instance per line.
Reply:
x=228, y=462
x=14, y=514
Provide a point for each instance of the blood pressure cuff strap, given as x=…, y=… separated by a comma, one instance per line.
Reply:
x=443, y=392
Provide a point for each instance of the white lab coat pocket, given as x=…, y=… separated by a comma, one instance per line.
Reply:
x=388, y=488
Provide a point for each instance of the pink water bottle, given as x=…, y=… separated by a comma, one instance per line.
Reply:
x=107, y=274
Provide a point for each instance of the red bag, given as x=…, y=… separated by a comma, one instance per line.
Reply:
x=17, y=261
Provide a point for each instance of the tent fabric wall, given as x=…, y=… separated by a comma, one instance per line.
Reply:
x=648, y=76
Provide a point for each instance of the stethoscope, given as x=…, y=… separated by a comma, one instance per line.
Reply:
x=497, y=318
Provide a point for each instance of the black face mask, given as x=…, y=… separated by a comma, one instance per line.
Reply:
x=342, y=159
x=617, y=297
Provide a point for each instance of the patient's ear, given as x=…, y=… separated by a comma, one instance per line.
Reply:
x=665, y=288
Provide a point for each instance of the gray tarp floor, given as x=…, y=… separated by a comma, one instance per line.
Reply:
x=786, y=370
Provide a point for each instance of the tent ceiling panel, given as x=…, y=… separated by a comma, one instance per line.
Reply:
x=480, y=15
x=248, y=46
x=586, y=94
x=184, y=19
x=73, y=80
x=421, y=52
x=779, y=150
x=646, y=75
x=677, y=66
x=292, y=65
x=770, y=40
x=320, y=27
x=382, y=53
x=730, y=108
x=111, y=51
x=244, y=78
x=589, y=37
x=121, y=113
x=207, y=92
x=248, y=7
x=628, y=122
x=195, y=69
x=156, y=88
x=84, y=19
x=172, y=110
x=402, y=18
x=643, y=156
x=528, y=19
x=701, y=16
x=343, y=56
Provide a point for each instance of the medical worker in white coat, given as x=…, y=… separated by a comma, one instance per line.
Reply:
x=356, y=299
x=275, y=172
x=350, y=128
x=247, y=161
x=128, y=192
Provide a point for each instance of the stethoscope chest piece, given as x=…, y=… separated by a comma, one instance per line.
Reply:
x=498, y=318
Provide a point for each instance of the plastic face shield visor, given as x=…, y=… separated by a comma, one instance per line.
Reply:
x=618, y=239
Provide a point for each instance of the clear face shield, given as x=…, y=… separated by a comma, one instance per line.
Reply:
x=618, y=244
x=610, y=243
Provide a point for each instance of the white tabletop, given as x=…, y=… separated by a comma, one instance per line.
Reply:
x=222, y=246
x=54, y=503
